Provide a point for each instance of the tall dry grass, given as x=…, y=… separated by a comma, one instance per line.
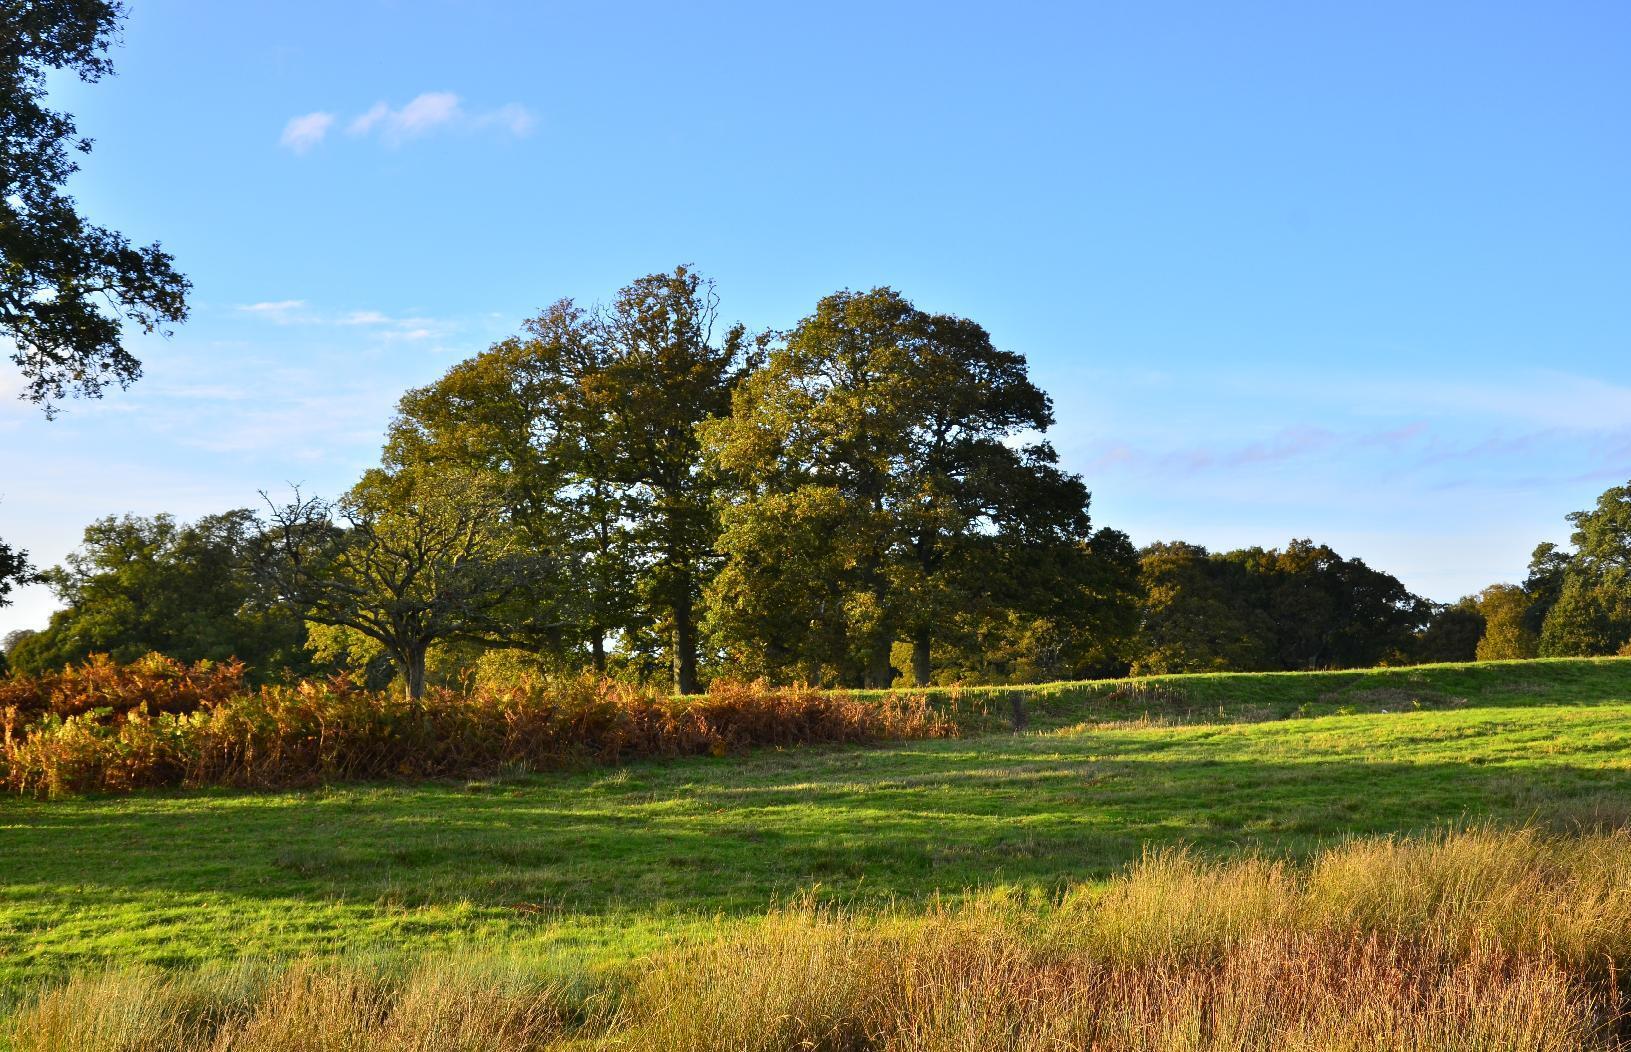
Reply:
x=334, y=730
x=1476, y=940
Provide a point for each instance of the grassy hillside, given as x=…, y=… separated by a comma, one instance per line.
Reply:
x=605, y=864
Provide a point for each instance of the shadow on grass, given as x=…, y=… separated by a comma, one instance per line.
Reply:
x=863, y=825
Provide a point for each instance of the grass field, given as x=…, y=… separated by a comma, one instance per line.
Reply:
x=599, y=866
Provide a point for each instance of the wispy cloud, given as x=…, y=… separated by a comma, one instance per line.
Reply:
x=425, y=114
x=283, y=312
x=380, y=326
x=1287, y=444
x=304, y=132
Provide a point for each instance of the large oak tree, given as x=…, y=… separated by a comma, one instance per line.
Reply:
x=882, y=483
x=588, y=423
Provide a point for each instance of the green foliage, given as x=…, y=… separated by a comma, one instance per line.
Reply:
x=518, y=415
x=1080, y=623
x=416, y=559
x=14, y=570
x=68, y=287
x=1453, y=633
x=155, y=585
x=880, y=492
x=1508, y=632
x=588, y=425
x=1198, y=614
x=1584, y=596
x=1303, y=607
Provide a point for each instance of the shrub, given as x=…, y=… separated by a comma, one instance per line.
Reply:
x=155, y=683
x=106, y=729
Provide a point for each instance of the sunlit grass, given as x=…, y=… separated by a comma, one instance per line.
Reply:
x=604, y=865
x=1478, y=940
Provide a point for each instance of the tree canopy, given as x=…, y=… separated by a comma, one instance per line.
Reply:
x=407, y=560
x=1586, y=593
x=139, y=585
x=868, y=497
x=878, y=450
x=68, y=287
x=1300, y=607
x=588, y=425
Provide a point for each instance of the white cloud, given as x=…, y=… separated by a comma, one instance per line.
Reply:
x=424, y=113
x=380, y=327
x=437, y=111
x=364, y=122
x=281, y=311
x=512, y=117
x=302, y=133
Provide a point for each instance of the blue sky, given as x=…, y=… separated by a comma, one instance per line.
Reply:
x=1355, y=272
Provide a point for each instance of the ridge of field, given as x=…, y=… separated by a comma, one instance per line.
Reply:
x=606, y=864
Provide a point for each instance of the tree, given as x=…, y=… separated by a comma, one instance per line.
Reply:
x=140, y=585
x=878, y=452
x=1080, y=625
x=1453, y=632
x=519, y=416
x=67, y=286
x=1303, y=607
x=1330, y=612
x=588, y=423
x=1548, y=566
x=1200, y=614
x=666, y=374
x=1508, y=634
x=1590, y=587
x=407, y=560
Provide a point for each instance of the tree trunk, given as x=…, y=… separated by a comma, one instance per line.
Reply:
x=413, y=671
x=879, y=674
x=597, y=647
x=921, y=664
x=685, y=644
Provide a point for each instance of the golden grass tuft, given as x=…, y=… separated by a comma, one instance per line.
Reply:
x=1480, y=939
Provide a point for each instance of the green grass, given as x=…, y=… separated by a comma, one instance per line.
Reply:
x=608, y=864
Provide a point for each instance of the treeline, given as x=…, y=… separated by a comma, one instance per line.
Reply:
x=867, y=498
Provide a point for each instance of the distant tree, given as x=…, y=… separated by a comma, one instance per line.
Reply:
x=67, y=286
x=1301, y=607
x=1508, y=634
x=882, y=489
x=1331, y=612
x=11, y=640
x=1548, y=566
x=1200, y=614
x=139, y=585
x=1591, y=613
x=1452, y=633
x=408, y=561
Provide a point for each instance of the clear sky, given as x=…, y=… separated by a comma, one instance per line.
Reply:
x=1356, y=272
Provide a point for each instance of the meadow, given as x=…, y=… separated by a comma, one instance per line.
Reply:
x=599, y=878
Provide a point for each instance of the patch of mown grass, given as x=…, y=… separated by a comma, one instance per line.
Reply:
x=602, y=865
